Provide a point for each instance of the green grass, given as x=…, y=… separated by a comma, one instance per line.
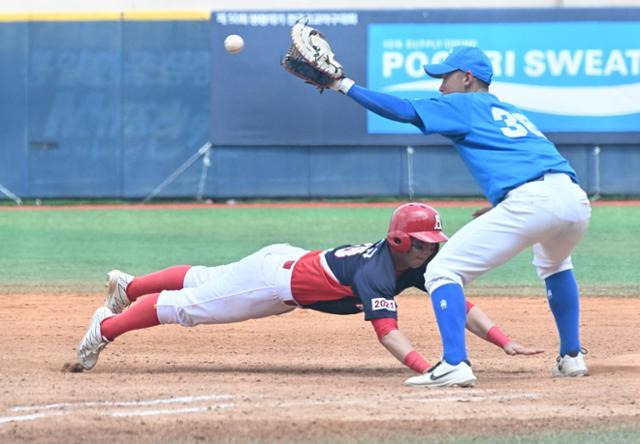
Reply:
x=608, y=435
x=72, y=249
x=604, y=436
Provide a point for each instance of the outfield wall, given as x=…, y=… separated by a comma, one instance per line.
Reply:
x=110, y=105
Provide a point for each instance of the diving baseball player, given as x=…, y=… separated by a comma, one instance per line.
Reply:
x=534, y=192
x=278, y=278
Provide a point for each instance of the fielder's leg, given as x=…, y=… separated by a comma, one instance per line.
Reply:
x=450, y=310
x=552, y=258
x=562, y=294
x=454, y=369
x=481, y=245
x=564, y=302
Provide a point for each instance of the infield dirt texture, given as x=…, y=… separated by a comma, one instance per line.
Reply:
x=303, y=376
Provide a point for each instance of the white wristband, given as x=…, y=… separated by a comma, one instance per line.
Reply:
x=344, y=85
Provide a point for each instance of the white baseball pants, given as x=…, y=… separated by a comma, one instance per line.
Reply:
x=254, y=287
x=550, y=214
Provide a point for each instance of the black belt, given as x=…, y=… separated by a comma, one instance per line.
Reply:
x=536, y=179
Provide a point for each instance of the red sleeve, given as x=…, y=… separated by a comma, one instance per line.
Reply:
x=469, y=306
x=383, y=326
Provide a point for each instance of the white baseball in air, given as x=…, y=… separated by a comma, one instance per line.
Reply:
x=233, y=43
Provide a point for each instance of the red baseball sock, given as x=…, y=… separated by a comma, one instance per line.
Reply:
x=142, y=314
x=171, y=278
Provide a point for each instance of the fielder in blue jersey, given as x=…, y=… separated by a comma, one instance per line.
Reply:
x=535, y=197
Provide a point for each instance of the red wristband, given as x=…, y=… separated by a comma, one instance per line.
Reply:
x=416, y=362
x=497, y=337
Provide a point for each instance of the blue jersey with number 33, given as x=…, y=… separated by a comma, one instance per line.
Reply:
x=499, y=145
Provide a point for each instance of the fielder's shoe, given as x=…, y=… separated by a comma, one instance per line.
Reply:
x=93, y=341
x=117, y=283
x=568, y=365
x=444, y=374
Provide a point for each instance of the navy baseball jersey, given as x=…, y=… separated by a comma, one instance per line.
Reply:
x=352, y=278
x=499, y=145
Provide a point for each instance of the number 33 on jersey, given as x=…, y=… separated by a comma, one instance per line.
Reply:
x=516, y=124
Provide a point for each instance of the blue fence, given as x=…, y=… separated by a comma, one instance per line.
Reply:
x=111, y=108
x=101, y=108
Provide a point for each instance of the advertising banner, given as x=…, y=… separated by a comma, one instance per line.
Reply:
x=567, y=76
x=574, y=72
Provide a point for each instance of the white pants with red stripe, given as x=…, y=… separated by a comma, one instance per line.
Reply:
x=254, y=287
x=550, y=214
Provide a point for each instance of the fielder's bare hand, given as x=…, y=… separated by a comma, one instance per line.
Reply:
x=481, y=211
x=513, y=348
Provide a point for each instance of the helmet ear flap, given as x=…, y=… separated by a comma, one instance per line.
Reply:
x=399, y=241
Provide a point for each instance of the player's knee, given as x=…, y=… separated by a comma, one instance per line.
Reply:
x=175, y=315
x=184, y=318
x=436, y=276
x=170, y=310
x=195, y=276
x=547, y=269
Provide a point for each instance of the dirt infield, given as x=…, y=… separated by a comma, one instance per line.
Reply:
x=303, y=377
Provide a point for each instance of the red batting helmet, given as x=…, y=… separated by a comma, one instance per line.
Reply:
x=416, y=220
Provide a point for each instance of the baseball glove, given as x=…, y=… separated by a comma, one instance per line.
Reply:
x=310, y=57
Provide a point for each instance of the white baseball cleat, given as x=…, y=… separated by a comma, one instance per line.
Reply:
x=568, y=365
x=93, y=341
x=117, y=283
x=444, y=374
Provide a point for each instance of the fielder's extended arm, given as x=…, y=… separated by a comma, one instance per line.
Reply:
x=385, y=105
